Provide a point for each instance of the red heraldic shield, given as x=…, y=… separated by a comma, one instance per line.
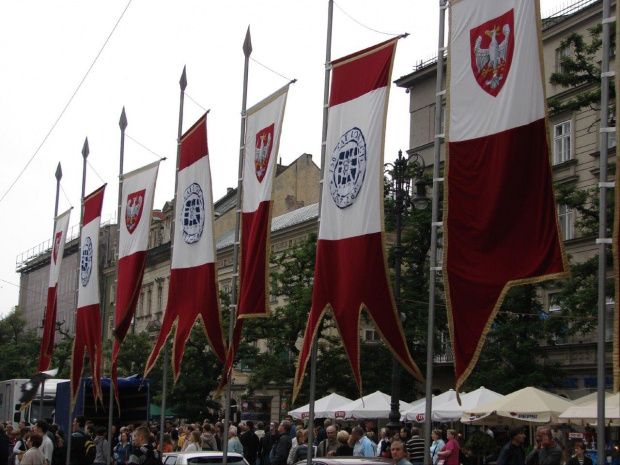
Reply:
x=263, y=129
x=351, y=265
x=88, y=319
x=136, y=208
x=193, y=291
x=500, y=218
x=61, y=225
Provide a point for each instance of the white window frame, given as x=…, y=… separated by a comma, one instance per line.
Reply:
x=566, y=218
x=562, y=142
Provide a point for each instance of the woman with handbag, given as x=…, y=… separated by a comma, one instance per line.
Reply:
x=436, y=446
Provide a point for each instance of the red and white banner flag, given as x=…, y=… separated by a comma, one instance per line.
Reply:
x=61, y=225
x=134, y=223
x=500, y=216
x=193, y=291
x=262, y=139
x=88, y=320
x=351, y=267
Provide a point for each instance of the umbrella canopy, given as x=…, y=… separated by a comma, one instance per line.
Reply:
x=587, y=412
x=452, y=411
x=418, y=412
x=375, y=405
x=321, y=407
x=588, y=398
x=525, y=406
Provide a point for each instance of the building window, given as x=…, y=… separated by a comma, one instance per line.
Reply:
x=562, y=134
x=148, y=302
x=559, y=54
x=370, y=335
x=566, y=219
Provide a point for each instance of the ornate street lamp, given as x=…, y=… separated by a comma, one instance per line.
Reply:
x=403, y=171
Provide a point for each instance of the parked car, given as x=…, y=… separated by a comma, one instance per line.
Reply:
x=202, y=458
x=348, y=461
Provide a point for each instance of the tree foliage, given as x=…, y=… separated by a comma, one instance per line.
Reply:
x=19, y=348
x=580, y=69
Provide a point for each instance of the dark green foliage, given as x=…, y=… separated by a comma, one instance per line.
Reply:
x=19, y=348
x=581, y=69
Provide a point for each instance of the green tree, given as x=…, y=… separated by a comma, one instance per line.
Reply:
x=580, y=69
x=19, y=347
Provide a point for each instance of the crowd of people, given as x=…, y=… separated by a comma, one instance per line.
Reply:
x=276, y=443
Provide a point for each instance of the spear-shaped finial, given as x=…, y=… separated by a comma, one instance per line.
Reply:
x=123, y=121
x=183, y=81
x=247, y=44
x=58, y=172
x=85, y=149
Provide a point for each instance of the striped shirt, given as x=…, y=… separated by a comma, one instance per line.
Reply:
x=415, y=447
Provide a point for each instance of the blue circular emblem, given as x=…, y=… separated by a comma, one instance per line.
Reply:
x=347, y=168
x=193, y=214
x=86, y=262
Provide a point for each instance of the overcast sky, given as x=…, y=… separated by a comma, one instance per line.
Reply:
x=48, y=48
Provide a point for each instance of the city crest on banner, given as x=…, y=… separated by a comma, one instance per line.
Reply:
x=133, y=213
x=492, y=46
x=57, y=245
x=262, y=153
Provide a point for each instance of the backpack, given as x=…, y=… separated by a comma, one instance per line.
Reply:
x=150, y=458
x=90, y=450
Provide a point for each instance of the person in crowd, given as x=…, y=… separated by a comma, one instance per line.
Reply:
x=20, y=447
x=399, y=453
x=122, y=449
x=513, y=453
x=4, y=445
x=329, y=444
x=33, y=455
x=102, y=456
x=344, y=445
x=450, y=452
x=234, y=445
x=219, y=434
x=47, y=446
x=284, y=443
x=383, y=448
x=59, y=457
x=405, y=435
x=580, y=458
x=436, y=445
x=546, y=451
x=78, y=438
x=415, y=447
x=268, y=441
x=208, y=438
x=363, y=446
x=322, y=432
x=194, y=442
x=251, y=443
x=297, y=442
x=168, y=444
x=142, y=446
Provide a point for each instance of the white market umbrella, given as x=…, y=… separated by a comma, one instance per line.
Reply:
x=525, y=406
x=372, y=406
x=587, y=412
x=321, y=407
x=588, y=398
x=452, y=411
x=418, y=412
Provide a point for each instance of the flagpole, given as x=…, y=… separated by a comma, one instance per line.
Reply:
x=85, y=152
x=183, y=86
x=122, y=123
x=247, y=51
x=603, y=241
x=435, y=224
x=58, y=176
x=314, y=350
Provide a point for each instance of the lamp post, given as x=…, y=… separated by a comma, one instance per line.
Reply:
x=405, y=195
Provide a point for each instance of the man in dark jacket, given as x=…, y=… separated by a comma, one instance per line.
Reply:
x=546, y=451
x=268, y=441
x=78, y=438
x=4, y=446
x=284, y=443
x=513, y=453
x=251, y=444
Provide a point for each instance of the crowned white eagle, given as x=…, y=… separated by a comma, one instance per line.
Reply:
x=494, y=55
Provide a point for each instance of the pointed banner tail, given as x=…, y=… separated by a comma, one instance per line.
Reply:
x=193, y=291
x=134, y=225
x=88, y=318
x=61, y=226
x=351, y=271
x=500, y=215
